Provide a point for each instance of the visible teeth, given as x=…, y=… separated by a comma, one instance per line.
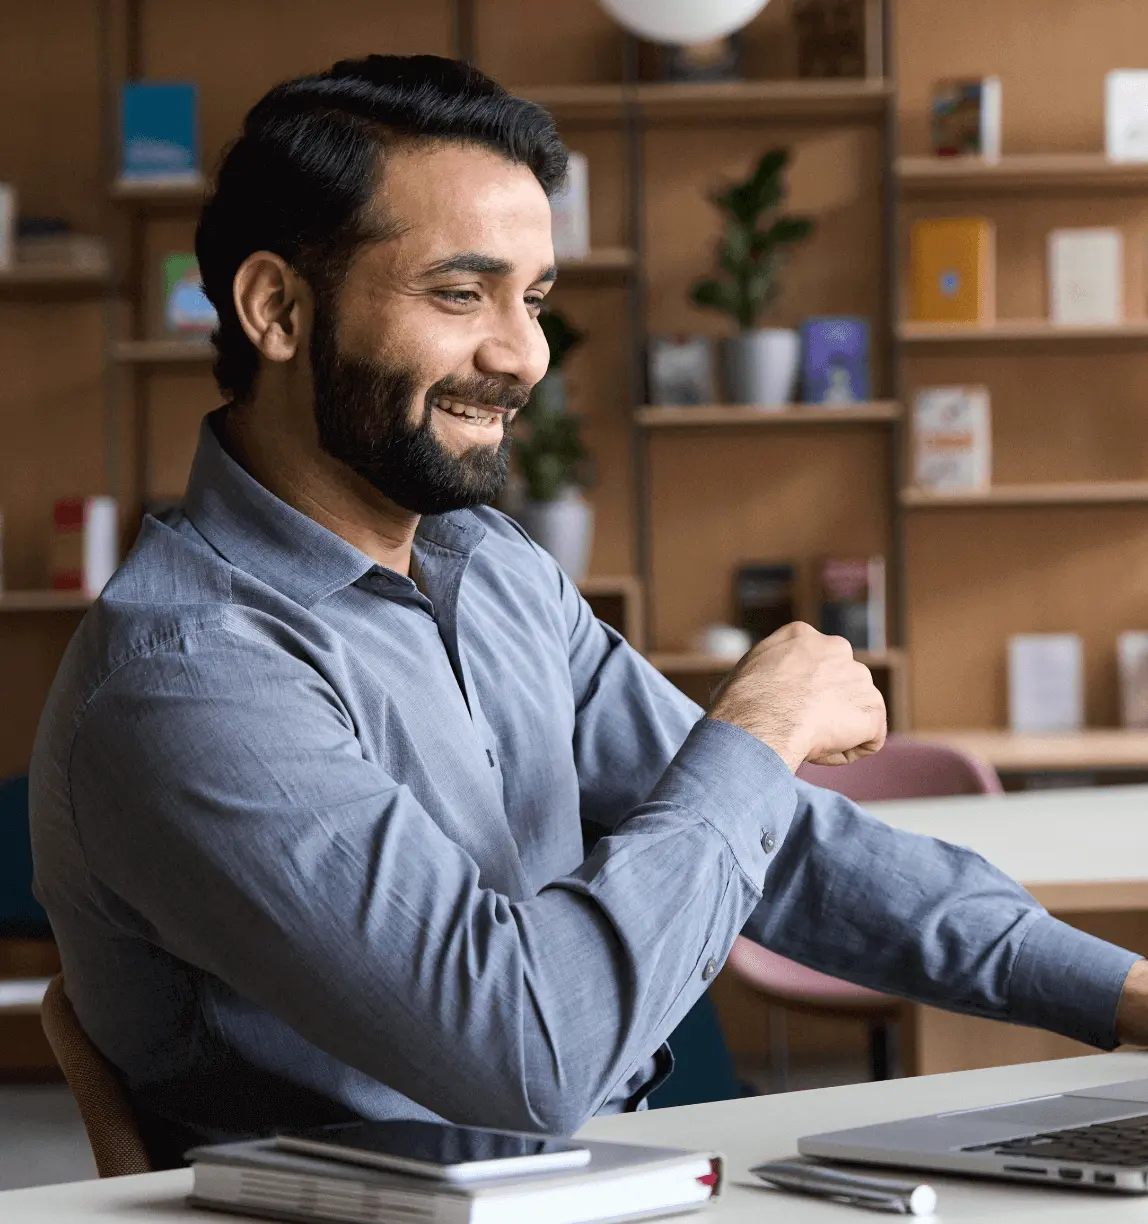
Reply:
x=468, y=412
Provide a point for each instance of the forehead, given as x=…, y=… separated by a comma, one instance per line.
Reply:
x=444, y=198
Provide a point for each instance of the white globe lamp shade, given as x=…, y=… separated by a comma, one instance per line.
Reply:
x=683, y=21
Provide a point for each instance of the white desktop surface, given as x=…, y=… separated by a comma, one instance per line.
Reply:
x=1040, y=837
x=748, y=1132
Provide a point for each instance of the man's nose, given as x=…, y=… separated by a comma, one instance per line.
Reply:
x=515, y=350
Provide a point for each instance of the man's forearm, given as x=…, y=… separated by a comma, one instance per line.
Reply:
x=1132, y=1014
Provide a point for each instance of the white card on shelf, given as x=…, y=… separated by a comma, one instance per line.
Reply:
x=1126, y=115
x=1045, y=682
x=1086, y=276
x=570, y=211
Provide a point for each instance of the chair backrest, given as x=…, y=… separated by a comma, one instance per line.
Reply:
x=107, y=1113
x=906, y=769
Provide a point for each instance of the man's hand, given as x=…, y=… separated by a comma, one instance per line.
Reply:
x=1132, y=1014
x=806, y=697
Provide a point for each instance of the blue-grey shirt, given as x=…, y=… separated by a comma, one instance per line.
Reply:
x=310, y=839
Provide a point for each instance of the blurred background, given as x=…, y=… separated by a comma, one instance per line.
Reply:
x=851, y=326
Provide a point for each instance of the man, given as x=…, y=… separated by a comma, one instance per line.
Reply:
x=307, y=792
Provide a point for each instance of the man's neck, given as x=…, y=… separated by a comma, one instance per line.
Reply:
x=323, y=489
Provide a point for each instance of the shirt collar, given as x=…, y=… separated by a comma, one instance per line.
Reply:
x=257, y=533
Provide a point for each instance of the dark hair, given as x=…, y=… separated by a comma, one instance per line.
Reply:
x=299, y=179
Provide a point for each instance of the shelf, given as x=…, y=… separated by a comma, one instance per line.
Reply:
x=706, y=101
x=698, y=663
x=737, y=415
x=1019, y=331
x=34, y=277
x=1072, y=493
x=1101, y=748
x=162, y=352
x=602, y=261
x=624, y=586
x=171, y=193
x=1028, y=173
x=44, y=601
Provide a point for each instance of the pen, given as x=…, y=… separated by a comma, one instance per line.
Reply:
x=878, y=1193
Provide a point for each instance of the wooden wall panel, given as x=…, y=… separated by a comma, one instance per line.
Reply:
x=237, y=51
x=977, y=576
x=722, y=499
x=1051, y=56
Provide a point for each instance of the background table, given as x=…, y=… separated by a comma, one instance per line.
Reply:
x=747, y=1131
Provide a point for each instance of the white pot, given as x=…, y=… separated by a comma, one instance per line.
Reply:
x=761, y=366
x=564, y=527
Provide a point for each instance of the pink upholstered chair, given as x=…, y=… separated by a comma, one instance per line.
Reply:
x=903, y=769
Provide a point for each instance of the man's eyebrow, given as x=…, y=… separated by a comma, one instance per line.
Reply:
x=482, y=265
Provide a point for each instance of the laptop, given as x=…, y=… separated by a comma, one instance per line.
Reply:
x=1094, y=1137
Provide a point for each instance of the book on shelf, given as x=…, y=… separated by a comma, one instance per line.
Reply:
x=159, y=132
x=570, y=211
x=766, y=596
x=952, y=439
x=186, y=309
x=1132, y=671
x=7, y=226
x=965, y=118
x=833, y=38
x=952, y=270
x=1045, y=683
x=835, y=360
x=1126, y=115
x=51, y=240
x=620, y=1182
x=1086, y=276
x=681, y=370
x=853, y=601
x=85, y=544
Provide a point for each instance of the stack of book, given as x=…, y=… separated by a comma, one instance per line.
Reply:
x=612, y=1182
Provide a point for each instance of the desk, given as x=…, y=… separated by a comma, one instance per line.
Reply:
x=747, y=1131
x=1082, y=853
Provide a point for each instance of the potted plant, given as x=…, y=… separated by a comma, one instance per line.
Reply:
x=760, y=364
x=552, y=460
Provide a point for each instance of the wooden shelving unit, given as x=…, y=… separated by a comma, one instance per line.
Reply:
x=1097, y=748
x=43, y=601
x=718, y=102
x=618, y=600
x=606, y=261
x=162, y=352
x=1037, y=332
x=725, y=416
x=1034, y=173
x=144, y=194
x=22, y=279
x=1094, y=493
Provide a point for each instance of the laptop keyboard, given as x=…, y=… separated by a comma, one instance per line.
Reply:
x=1123, y=1143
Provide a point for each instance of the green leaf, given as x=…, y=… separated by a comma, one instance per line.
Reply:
x=713, y=295
x=735, y=251
x=787, y=230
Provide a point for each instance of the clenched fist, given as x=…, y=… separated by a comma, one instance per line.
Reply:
x=806, y=697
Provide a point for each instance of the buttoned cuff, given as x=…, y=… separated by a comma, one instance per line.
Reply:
x=1068, y=981
x=739, y=786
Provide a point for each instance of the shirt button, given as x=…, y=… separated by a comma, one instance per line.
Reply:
x=767, y=843
x=709, y=970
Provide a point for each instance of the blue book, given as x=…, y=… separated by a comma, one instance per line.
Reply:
x=159, y=131
x=835, y=360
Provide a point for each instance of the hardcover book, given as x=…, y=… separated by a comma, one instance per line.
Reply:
x=7, y=226
x=85, y=544
x=159, y=132
x=765, y=595
x=952, y=439
x=1126, y=115
x=1045, y=682
x=952, y=270
x=570, y=211
x=853, y=600
x=835, y=360
x=1086, y=276
x=1132, y=668
x=186, y=309
x=966, y=118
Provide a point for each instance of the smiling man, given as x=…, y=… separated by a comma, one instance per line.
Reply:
x=308, y=790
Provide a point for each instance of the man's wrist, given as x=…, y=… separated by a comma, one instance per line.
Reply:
x=1132, y=1010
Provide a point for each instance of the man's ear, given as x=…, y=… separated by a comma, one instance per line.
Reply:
x=274, y=305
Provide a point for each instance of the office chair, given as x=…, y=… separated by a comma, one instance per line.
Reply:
x=903, y=769
x=107, y=1113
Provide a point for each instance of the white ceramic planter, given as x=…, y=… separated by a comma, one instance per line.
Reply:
x=761, y=366
x=564, y=527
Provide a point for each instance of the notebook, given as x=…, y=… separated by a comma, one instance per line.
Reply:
x=952, y=268
x=621, y=1182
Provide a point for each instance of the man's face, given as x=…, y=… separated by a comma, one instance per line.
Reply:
x=434, y=344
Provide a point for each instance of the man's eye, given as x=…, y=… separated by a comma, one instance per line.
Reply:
x=534, y=302
x=461, y=297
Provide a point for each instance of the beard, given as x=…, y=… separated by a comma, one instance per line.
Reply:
x=363, y=411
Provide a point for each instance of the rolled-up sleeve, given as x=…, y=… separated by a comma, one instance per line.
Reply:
x=219, y=791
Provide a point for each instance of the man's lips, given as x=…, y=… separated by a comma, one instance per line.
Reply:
x=471, y=411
